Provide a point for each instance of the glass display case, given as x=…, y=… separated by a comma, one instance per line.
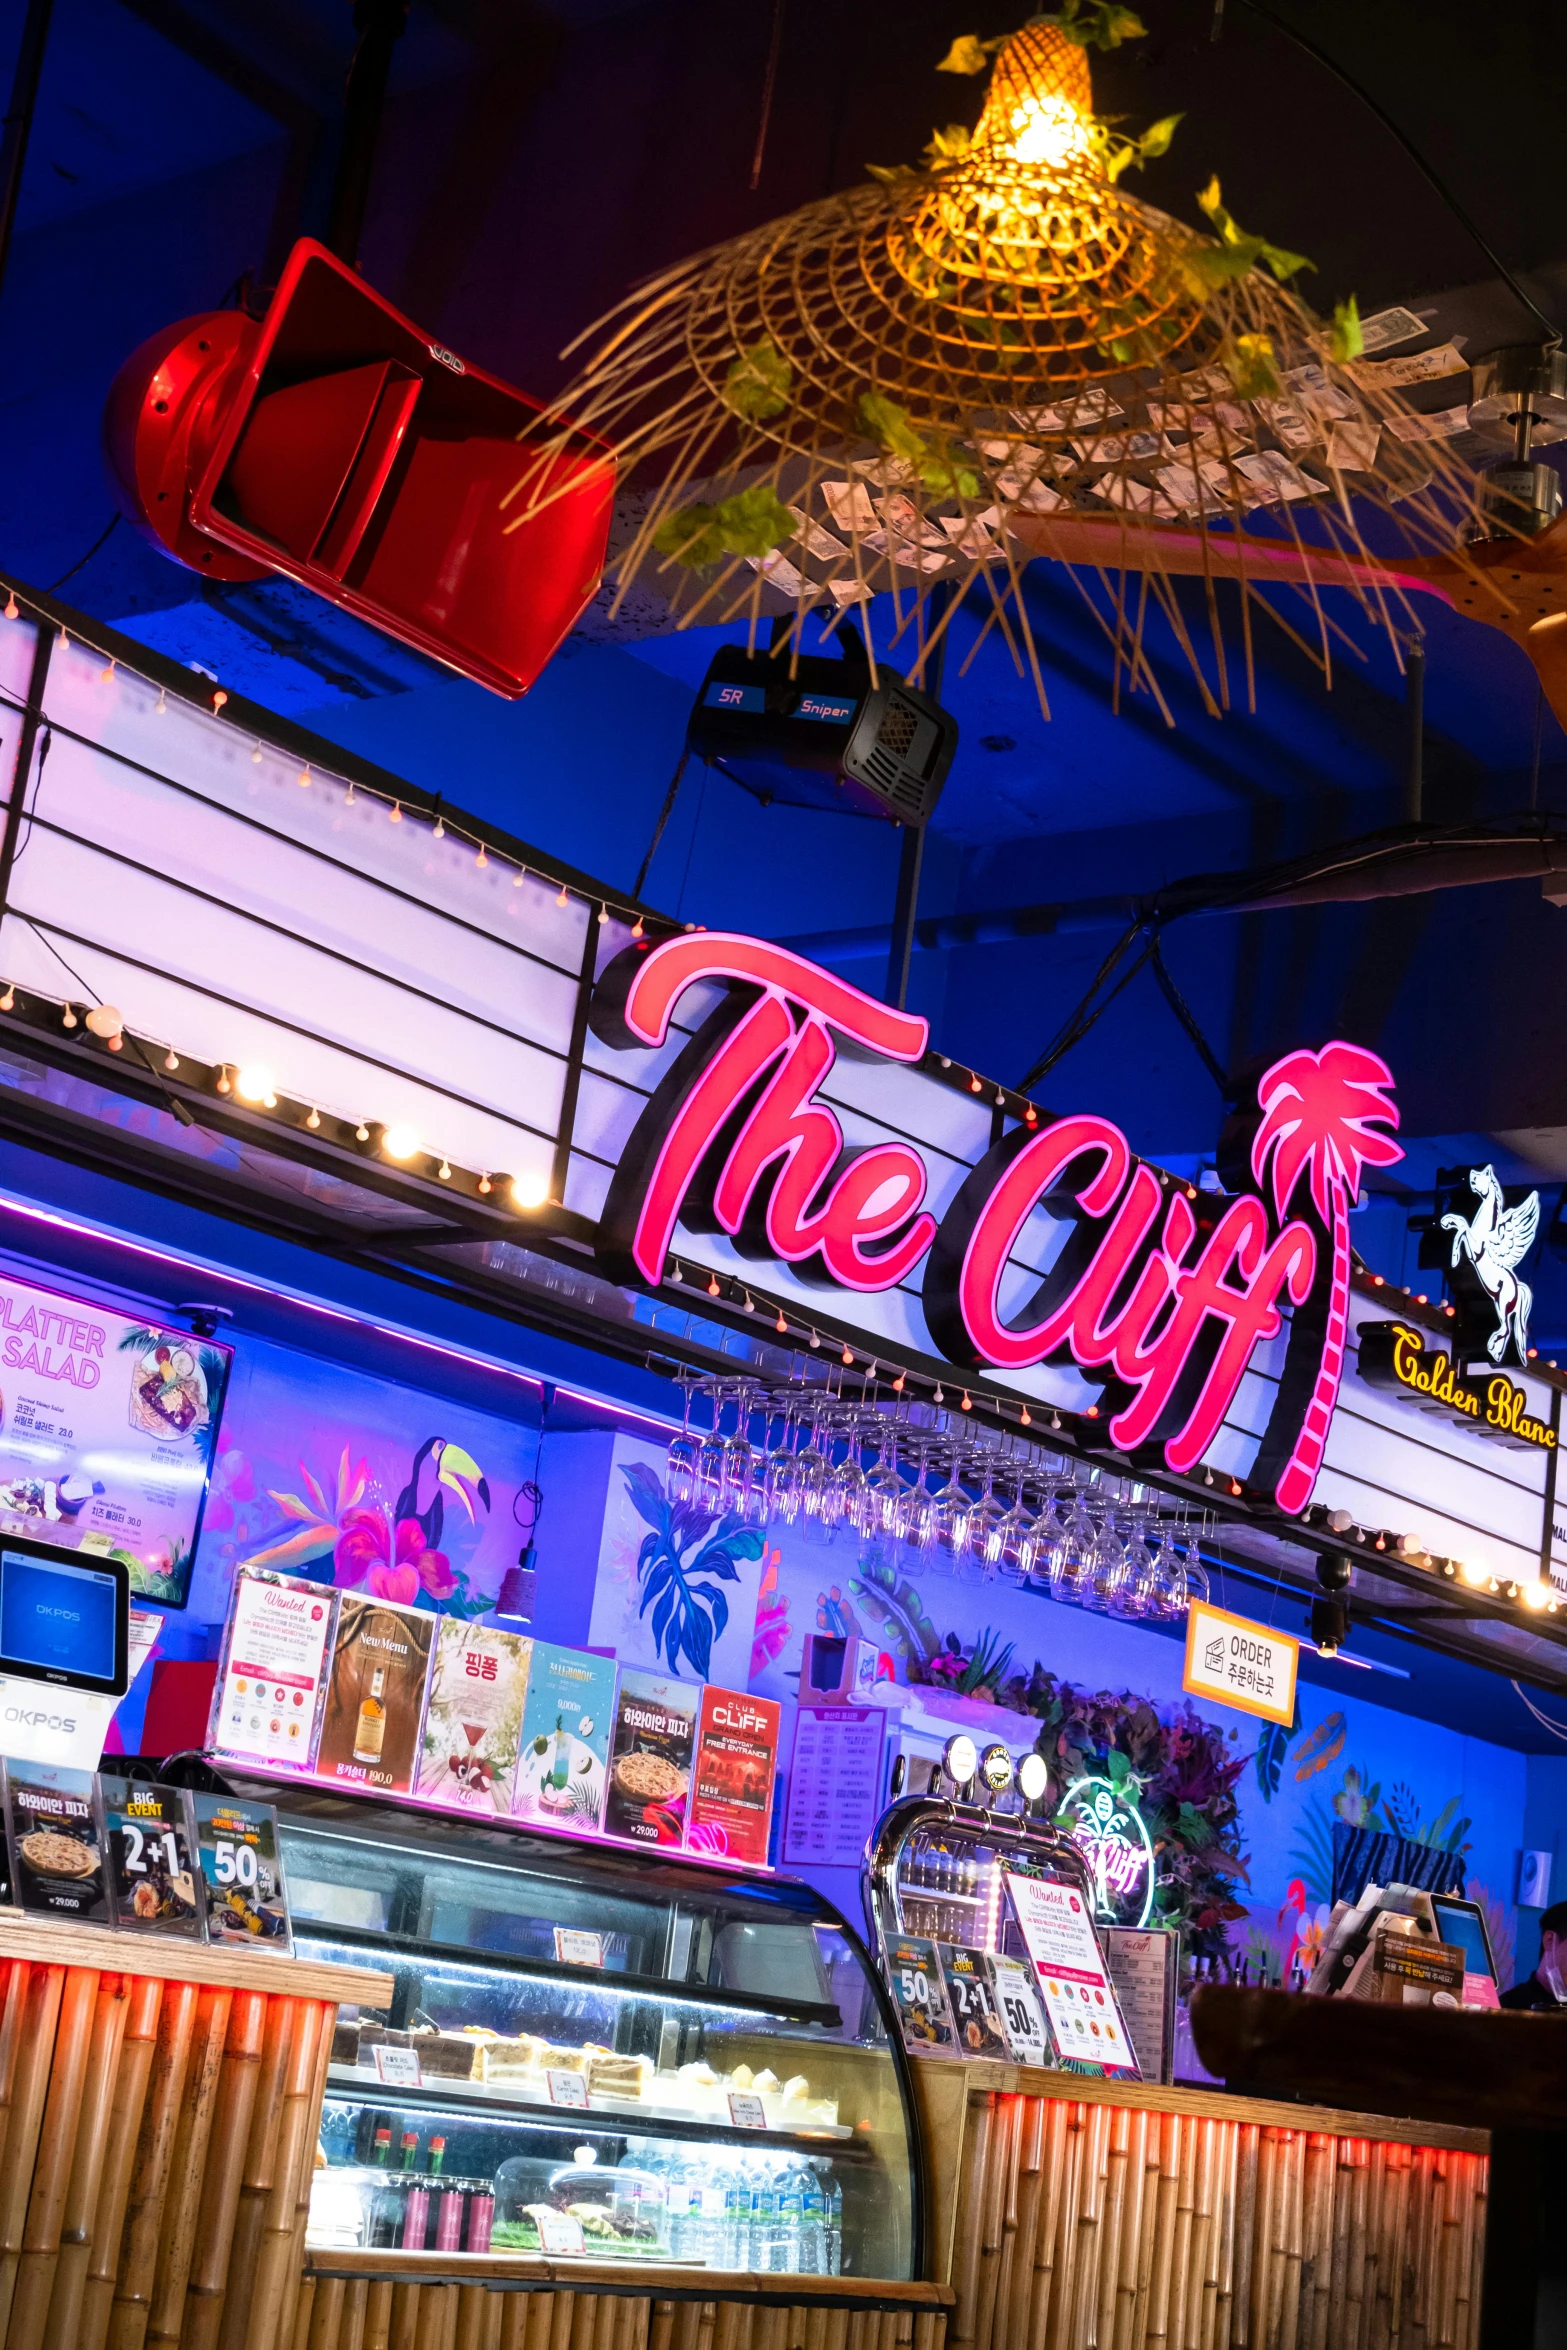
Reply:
x=599, y=2054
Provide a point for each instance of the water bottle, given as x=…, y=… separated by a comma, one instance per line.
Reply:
x=764, y=2220
x=813, y=2224
x=680, y=2220
x=835, y=2230
x=791, y=2193
x=710, y=2204
x=737, y=2219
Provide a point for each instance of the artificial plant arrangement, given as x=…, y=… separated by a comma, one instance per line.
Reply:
x=1181, y=1771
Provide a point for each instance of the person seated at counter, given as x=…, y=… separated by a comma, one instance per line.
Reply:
x=1545, y=1987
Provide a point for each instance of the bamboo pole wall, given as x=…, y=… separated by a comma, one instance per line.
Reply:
x=156, y=2143
x=1097, y=2224
x=388, y=2301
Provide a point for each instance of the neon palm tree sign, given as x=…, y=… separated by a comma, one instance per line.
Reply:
x=1162, y=1293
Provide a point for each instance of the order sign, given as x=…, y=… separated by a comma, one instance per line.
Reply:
x=1235, y=1662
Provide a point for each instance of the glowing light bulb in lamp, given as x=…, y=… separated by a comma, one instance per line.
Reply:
x=254, y=1082
x=1536, y=1595
x=400, y=1142
x=1048, y=129
x=529, y=1191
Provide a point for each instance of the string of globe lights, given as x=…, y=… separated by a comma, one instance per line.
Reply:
x=253, y=1085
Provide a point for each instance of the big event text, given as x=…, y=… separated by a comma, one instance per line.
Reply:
x=1161, y=1293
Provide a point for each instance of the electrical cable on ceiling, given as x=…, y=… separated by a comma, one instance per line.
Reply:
x=82, y=561
x=1557, y=1729
x=1332, y=66
x=768, y=85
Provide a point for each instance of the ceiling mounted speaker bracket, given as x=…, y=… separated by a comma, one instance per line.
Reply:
x=160, y=426
x=335, y=443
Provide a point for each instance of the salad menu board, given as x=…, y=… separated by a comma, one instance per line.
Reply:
x=348, y=1689
x=107, y=1431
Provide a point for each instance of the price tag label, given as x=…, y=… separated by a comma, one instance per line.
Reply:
x=1021, y=2020
x=567, y=2088
x=746, y=2110
x=559, y=2232
x=914, y=1974
x=397, y=2067
x=574, y=1947
x=976, y=2025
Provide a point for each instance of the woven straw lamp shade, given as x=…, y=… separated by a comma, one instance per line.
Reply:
x=1004, y=354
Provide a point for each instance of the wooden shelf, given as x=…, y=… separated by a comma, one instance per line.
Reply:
x=62, y=1942
x=943, y=2080
x=658, y=2280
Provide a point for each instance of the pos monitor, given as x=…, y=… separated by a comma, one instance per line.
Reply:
x=64, y=1616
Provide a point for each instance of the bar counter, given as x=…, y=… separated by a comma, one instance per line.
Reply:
x=493, y=2301
x=1104, y=2215
x=159, y=2107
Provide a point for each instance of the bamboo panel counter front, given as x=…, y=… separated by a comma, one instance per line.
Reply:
x=1078, y=2214
x=497, y=2301
x=159, y=2105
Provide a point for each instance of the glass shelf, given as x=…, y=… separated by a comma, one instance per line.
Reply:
x=709, y=1986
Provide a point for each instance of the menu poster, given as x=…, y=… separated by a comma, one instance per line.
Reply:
x=152, y=1858
x=1080, y=2002
x=1144, y=1964
x=650, y=1759
x=242, y=1871
x=1021, y=2020
x=107, y=1430
x=736, y=1763
x=914, y=1978
x=267, y=1701
x=565, y=1737
x=835, y=1781
x=971, y=1997
x=473, y=1720
x=375, y=1696
x=55, y=1832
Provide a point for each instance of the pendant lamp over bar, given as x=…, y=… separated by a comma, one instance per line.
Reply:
x=1004, y=354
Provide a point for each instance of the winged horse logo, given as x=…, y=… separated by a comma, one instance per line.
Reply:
x=1495, y=1239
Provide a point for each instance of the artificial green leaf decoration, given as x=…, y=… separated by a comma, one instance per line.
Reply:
x=1248, y=361
x=1237, y=252
x=1156, y=138
x=752, y=522
x=1103, y=24
x=758, y=381
x=939, y=470
x=1345, y=340
x=968, y=54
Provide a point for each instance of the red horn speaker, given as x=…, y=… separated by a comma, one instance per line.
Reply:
x=334, y=442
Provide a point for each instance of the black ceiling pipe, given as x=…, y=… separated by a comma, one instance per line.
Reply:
x=19, y=118
x=380, y=25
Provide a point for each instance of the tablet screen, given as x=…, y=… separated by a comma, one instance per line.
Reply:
x=58, y=1618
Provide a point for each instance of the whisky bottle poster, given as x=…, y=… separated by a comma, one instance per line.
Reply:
x=242, y=1872
x=375, y=1695
x=650, y=1759
x=565, y=1737
x=473, y=1722
x=152, y=1858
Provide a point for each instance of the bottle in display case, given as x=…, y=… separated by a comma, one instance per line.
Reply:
x=622, y=2054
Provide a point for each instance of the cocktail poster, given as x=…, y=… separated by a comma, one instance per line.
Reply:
x=562, y=1768
x=650, y=1759
x=375, y=1695
x=270, y=1687
x=473, y=1719
x=736, y=1768
x=107, y=1432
